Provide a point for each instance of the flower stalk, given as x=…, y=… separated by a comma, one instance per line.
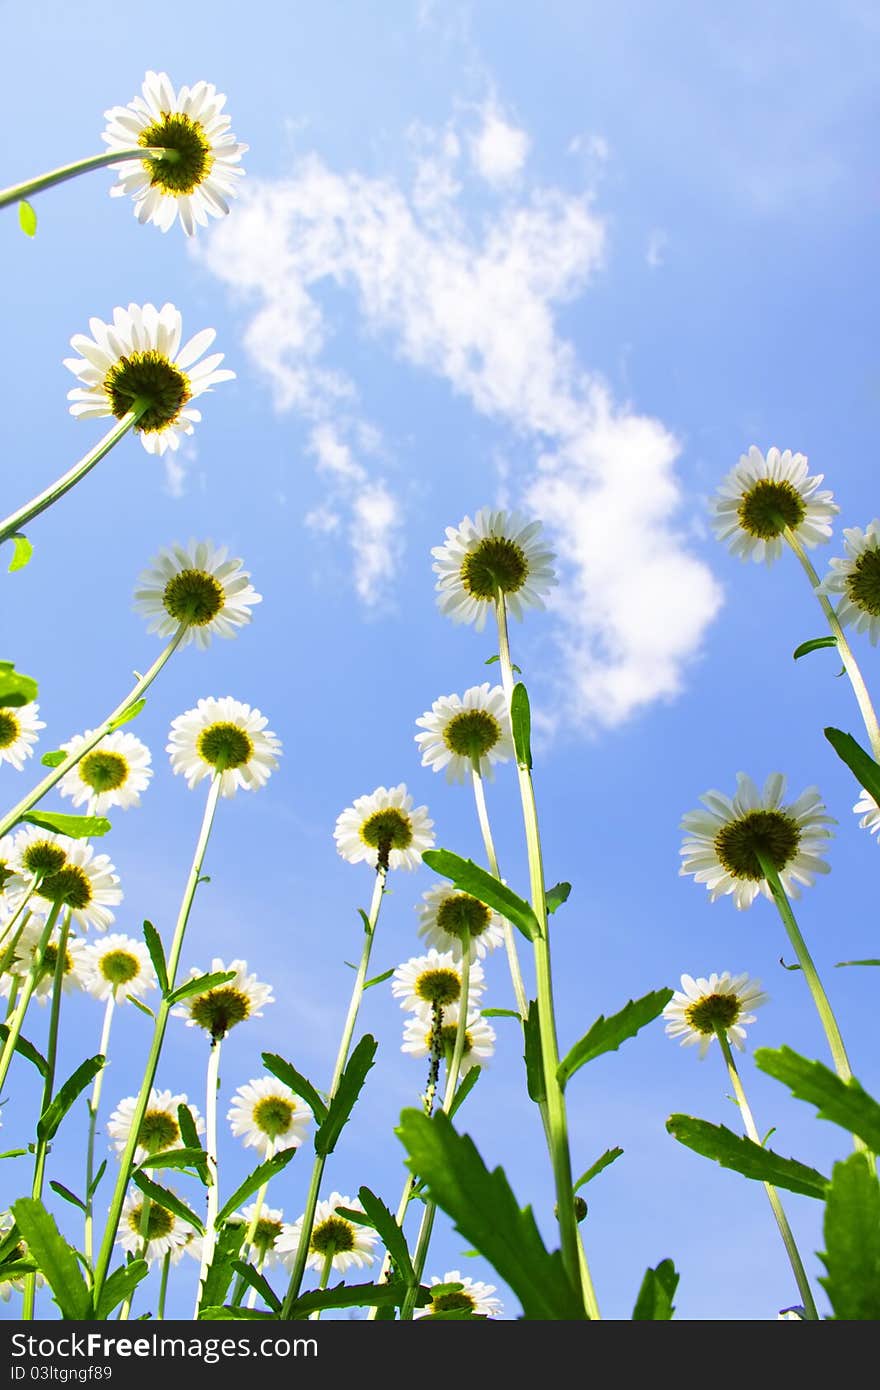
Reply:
x=17, y=191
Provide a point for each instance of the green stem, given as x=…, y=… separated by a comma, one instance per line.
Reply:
x=522, y=1003
x=248, y=1241
x=785, y=1231
x=16, y=1018
x=17, y=191
x=211, y=1087
x=56, y=773
x=94, y=1103
x=163, y=1286
x=126, y=1158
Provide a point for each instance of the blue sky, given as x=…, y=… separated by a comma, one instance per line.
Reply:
x=547, y=256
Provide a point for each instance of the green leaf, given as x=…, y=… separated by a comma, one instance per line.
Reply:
x=844, y=1103
x=349, y=1089
x=27, y=218
x=860, y=763
x=141, y=1006
x=21, y=553
x=97, y=1178
x=54, y=1256
x=258, y=1281
x=47, y=1125
x=221, y=1269
x=14, y=1153
x=534, y=1060
x=654, y=1303
x=53, y=759
x=202, y=984
x=486, y=1212
x=521, y=725
x=190, y=1136
x=607, y=1034
x=75, y=827
x=157, y=954
x=164, y=1197
x=15, y=689
x=127, y=715
x=9, y=1243
x=501, y=1013
x=366, y=921
x=286, y=1072
x=119, y=1286
x=468, y=877
x=27, y=1050
x=490, y=661
x=814, y=645
x=464, y=1089
x=390, y=1233
x=556, y=896
x=230, y=1314
x=379, y=979
x=356, y=1296
x=608, y=1157
x=176, y=1158
x=852, y=1241
x=68, y=1196
x=744, y=1156
x=856, y=962
x=263, y=1172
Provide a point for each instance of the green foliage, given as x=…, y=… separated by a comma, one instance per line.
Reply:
x=258, y=1281
x=47, y=1125
x=746, y=1157
x=75, y=827
x=53, y=759
x=379, y=979
x=390, y=1233
x=27, y=1050
x=607, y=1034
x=654, y=1303
x=815, y=644
x=533, y=1057
x=27, y=218
x=157, y=955
x=342, y=1104
x=356, y=1296
x=15, y=689
x=852, y=1241
x=128, y=714
x=844, y=1103
x=263, y=1172
x=22, y=551
x=201, y=985
x=222, y=1267
x=176, y=1158
x=860, y=763
x=68, y=1196
x=164, y=1197
x=230, y=1314
x=608, y=1157
x=521, y=725
x=55, y=1258
x=464, y=1088
x=468, y=877
x=119, y=1286
x=556, y=896
x=287, y=1072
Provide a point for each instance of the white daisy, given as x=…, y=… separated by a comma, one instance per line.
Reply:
x=444, y=916
x=7, y=867
x=87, y=885
x=856, y=578
x=349, y=1244
x=722, y=1000
x=867, y=808
x=114, y=773
x=479, y=1037
x=26, y=949
x=269, y=1229
x=721, y=848
x=34, y=853
x=463, y=730
x=8, y=1286
x=760, y=497
x=167, y=1233
x=223, y=736
x=138, y=357
x=268, y=1116
x=197, y=585
x=473, y=1297
x=497, y=552
x=221, y=1008
x=435, y=979
x=117, y=965
x=159, y=1129
x=384, y=827
x=192, y=123
x=18, y=733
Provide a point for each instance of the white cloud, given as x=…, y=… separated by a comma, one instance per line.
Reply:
x=499, y=149
x=375, y=535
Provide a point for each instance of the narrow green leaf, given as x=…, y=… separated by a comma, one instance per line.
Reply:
x=127, y=715
x=75, y=827
x=743, y=1156
x=607, y=1034
x=15, y=689
x=190, y=1136
x=814, y=645
x=21, y=552
x=486, y=1212
x=521, y=725
x=140, y=1006
x=654, y=1303
x=47, y=1125
x=490, y=661
x=533, y=1058
x=202, y=984
x=258, y=1281
x=844, y=1103
x=379, y=979
x=27, y=218
x=157, y=954
x=96, y=1180
x=468, y=877
x=500, y=1013
x=164, y=1197
x=464, y=1089
x=54, y=1257
x=15, y=1268
x=390, y=1233
x=221, y=1269
x=608, y=1157
x=852, y=1241
x=349, y=1089
x=9, y=1243
x=67, y=1195
x=286, y=1072
x=856, y=962
x=229, y=1314
x=860, y=763
x=27, y=1050
x=119, y=1286
x=356, y=1296
x=556, y=896
x=53, y=759
x=176, y=1158
x=366, y=921
x=264, y=1172
x=14, y=1153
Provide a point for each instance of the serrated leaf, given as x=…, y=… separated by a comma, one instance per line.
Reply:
x=68, y=1196
x=27, y=1050
x=852, y=1241
x=486, y=1212
x=54, y=1256
x=75, y=827
x=356, y=1296
x=743, y=1156
x=860, y=763
x=176, y=1158
x=608, y=1157
x=53, y=759
x=607, y=1034
x=27, y=218
x=521, y=725
x=533, y=1057
x=22, y=550
x=15, y=688
x=349, y=1089
x=202, y=984
x=844, y=1103
x=287, y=1072
x=221, y=1269
x=379, y=979
x=814, y=645
x=264, y=1172
x=556, y=896
x=164, y=1197
x=119, y=1286
x=390, y=1233
x=468, y=877
x=654, y=1303
x=47, y=1125
x=190, y=1137
x=127, y=715
x=258, y=1281
x=157, y=954
x=464, y=1089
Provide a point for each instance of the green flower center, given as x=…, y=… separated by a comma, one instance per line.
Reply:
x=494, y=563
x=5, y=873
x=453, y=1302
x=160, y=1221
x=147, y=376
x=772, y=833
x=266, y=1233
x=388, y=829
x=158, y=1131
x=333, y=1237
x=188, y=140
x=70, y=886
x=104, y=772
x=225, y=746
x=193, y=597
x=472, y=733
x=273, y=1115
x=461, y=915
x=43, y=857
x=118, y=967
x=723, y=1009
x=440, y=987
x=768, y=507
x=50, y=960
x=863, y=583
x=448, y=1035
x=8, y=728
x=219, y=1010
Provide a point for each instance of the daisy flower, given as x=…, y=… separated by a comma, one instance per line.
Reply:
x=197, y=585
x=20, y=1252
x=117, y=965
x=114, y=773
x=268, y=1116
x=138, y=357
x=349, y=1244
x=25, y=951
x=7, y=869
x=479, y=1037
x=857, y=578
x=33, y=853
x=867, y=808
x=760, y=497
x=18, y=733
x=87, y=885
x=383, y=830
x=497, y=552
x=191, y=123
x=160, y=1127
x=722, y=1001
x=269, y=1228
x=435, y=978
x=473, y=1297
x=167, y=1233
x=461, y=731
x=226, y=737
x=445, y=915
x=221, y=1008
x=723, y=841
